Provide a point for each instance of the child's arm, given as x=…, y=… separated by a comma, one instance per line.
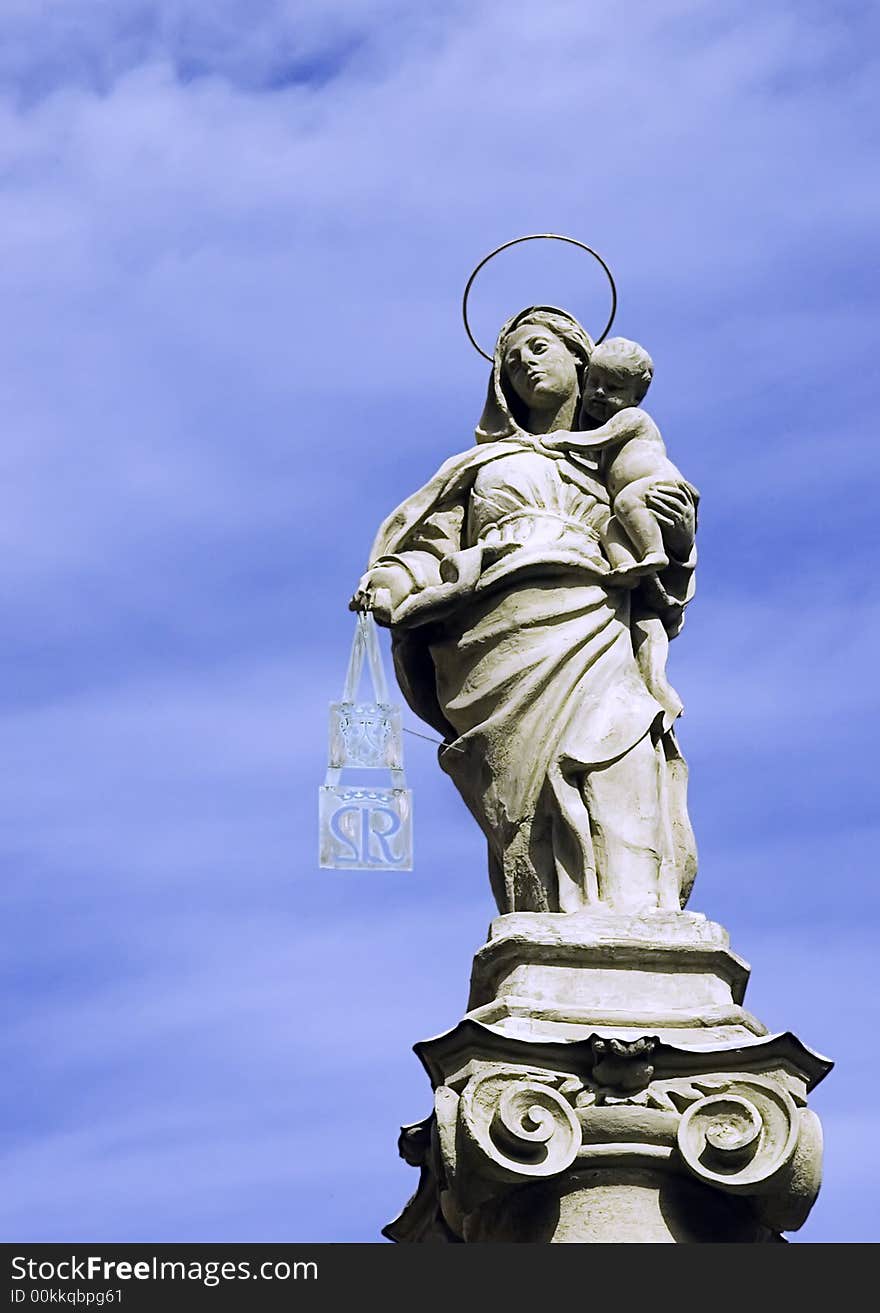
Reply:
x=626, y=424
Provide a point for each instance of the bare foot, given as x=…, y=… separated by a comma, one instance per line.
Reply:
x=631, y=574
x=653, y=561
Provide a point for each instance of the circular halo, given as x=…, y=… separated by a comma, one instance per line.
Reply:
x=534, y=237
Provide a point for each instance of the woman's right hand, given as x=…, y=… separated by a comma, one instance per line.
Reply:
x=372, y=594
x=361, y=599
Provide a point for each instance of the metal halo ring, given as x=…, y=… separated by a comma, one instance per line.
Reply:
x=533, y=237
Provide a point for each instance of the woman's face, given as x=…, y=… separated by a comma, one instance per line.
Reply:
x=541, y=369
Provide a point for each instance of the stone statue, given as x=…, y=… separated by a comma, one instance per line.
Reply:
x=606, y=1082
x=526, y=632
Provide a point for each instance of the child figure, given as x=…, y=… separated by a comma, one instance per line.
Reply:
x=632, y=454
x=632, y=462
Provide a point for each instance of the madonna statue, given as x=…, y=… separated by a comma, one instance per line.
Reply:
x=513, y=637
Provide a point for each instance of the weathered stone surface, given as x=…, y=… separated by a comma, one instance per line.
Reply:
x=607, y=1082
x=566, y=975
x=530, y=626
x=619, y=1134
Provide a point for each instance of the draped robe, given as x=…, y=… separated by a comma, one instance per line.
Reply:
x=510, y=642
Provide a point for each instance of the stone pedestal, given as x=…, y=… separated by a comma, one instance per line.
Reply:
x=606, y=1084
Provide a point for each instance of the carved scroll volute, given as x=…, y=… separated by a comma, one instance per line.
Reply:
x=515, y=1128
x=740, y=1138
x=752, y=1140
x=786, y=1206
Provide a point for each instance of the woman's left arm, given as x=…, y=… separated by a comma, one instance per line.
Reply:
x=675, y=506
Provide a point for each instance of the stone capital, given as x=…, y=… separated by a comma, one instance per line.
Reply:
x=548, y=1127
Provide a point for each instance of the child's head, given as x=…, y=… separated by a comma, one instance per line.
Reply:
x=620, y=374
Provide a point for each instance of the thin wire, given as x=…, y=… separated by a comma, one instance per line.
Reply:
x=450, y=747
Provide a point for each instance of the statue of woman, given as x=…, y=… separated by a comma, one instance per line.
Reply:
x=508, y=639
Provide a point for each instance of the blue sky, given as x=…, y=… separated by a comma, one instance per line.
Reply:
x=233, y=238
